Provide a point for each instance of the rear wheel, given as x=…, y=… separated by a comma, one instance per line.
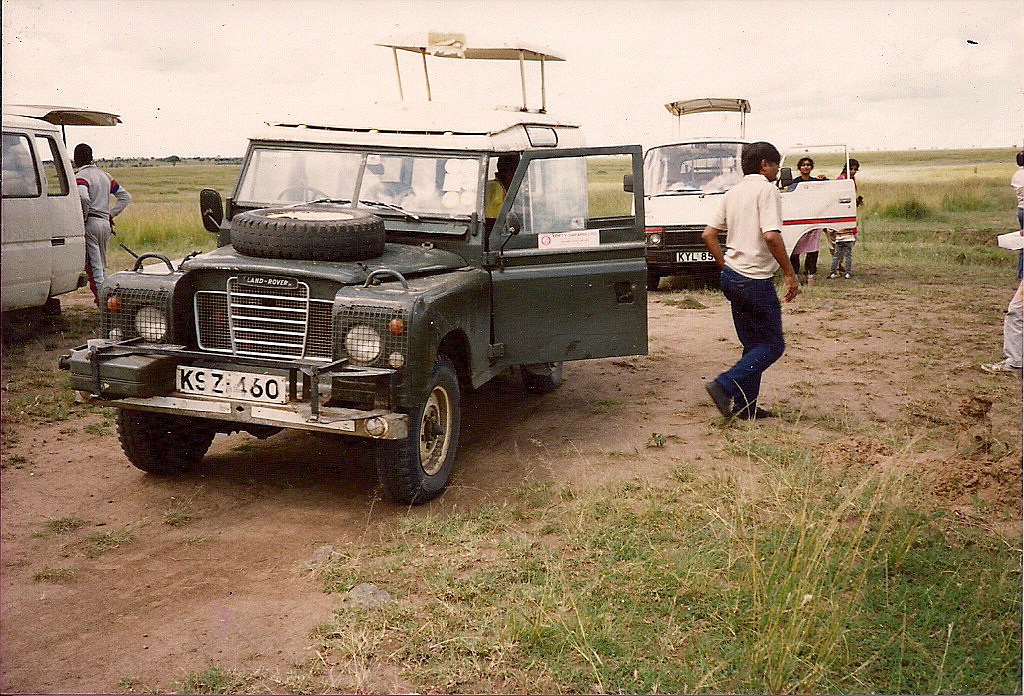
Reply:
x=416, y=469
x=542, y=377
x=160, y=444
x=653, y=280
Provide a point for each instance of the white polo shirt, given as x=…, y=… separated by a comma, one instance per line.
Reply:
x=748, y=210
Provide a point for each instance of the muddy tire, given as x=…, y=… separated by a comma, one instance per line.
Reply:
x=162, y=445
x=416, y=469
x=541, y=378
x=314, y=232
x=653, y=280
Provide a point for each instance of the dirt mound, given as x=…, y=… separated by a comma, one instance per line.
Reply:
x=967, y=482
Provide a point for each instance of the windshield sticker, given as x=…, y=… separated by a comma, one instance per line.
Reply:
x=569, y=240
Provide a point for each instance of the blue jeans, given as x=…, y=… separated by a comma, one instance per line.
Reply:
x=757, y=315
x=843, y=255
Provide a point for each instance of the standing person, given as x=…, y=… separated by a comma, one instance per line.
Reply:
x=1013, y=336
x=1013, y=321
x=1017, y=183
x=95, y=187
x=751, y=216
x=831, y=234
x=843, y=254
x=810, y=242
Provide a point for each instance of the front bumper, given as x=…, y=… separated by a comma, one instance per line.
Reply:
x=141, y=376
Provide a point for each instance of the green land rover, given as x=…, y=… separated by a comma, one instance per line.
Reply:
x=362, y=286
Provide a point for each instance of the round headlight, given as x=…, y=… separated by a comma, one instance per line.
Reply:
x=363, y=344
x=654, y=240
x=151, y=323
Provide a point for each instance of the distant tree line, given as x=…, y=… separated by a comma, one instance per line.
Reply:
x=173, y=160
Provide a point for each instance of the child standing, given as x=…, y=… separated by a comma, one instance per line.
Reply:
x=833, y=235
x=843, y=255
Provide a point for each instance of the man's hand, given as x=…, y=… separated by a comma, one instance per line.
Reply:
x=777, y=247
x=792, y=288
x=710, y=239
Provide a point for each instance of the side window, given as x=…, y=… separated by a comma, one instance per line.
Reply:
x=568, y=194
x=53, y=166
x=553, y=197
x=19, y=178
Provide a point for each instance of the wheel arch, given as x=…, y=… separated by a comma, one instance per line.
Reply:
x=455, y=345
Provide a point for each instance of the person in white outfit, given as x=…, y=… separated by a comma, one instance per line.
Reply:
x=95, y=187
x=1013, y=322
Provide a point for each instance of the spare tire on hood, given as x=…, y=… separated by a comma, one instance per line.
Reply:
x=312, y=232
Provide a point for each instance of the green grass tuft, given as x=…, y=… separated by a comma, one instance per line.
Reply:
x=907, y=209
x=212, y=680
x=102, y=542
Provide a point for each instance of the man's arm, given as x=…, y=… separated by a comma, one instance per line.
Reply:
x=773, y=240
x=121, y=199
x=83, y=196
x=710, y=238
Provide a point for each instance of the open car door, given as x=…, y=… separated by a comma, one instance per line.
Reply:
x=568, y=267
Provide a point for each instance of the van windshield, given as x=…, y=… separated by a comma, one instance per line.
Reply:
x=692, y=168
x=416, y=184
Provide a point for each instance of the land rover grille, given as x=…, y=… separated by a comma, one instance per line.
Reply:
x=269, y=322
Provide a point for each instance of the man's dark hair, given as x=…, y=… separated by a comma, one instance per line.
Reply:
x=83, y=155
x=805, y=159
x=753, y=153
x=854, y=163
x=1020, y=159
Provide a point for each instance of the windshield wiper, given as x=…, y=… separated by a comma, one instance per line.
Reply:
x=340, y=201
x=390, y=206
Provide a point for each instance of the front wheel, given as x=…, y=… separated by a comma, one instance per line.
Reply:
x=163, y=445
x=416, y=469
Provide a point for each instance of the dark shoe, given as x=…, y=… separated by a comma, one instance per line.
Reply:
x=721, y=399
x=758, y=414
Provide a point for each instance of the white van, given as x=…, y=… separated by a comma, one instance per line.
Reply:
x=43, y=253
x=684, y=182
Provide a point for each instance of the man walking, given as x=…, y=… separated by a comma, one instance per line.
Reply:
x=751, y=216
x=95, y=187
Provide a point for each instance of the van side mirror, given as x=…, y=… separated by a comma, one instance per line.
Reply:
x=627, y=183
x=785, y=177
x=211, y=208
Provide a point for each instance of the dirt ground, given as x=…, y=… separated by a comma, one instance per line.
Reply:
x=231, y=587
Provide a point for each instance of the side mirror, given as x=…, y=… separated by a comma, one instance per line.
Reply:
x=785, y=177
x=627, y=183
x=211, y=208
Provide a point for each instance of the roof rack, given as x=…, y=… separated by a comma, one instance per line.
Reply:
x=684, y=107
x=63, y=115
x=453, y=45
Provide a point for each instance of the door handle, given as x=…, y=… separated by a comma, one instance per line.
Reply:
x=846, y=200
x=56, y=241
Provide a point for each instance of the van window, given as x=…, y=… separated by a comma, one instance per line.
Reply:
x=19, y=178
x=53, y=166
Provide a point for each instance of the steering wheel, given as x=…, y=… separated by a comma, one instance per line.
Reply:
x=302, y=193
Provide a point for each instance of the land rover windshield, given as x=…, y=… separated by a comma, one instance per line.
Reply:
x=431, y=185
x=692, y=168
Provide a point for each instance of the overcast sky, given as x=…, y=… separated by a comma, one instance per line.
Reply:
x=197, y=78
